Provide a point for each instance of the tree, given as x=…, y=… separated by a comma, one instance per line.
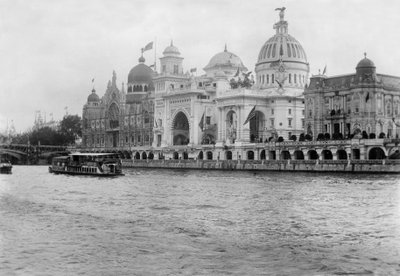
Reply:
x=364, y=135
x=382, y=135
x=280, y=139
x=308, y=137
x=293, y=137
x=302, y=137
x=71, y=128
x=327, y=136
x=372, y=135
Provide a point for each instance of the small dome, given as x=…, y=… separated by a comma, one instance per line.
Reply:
x=366, y=63
x=171, y=50
x=225, y=59
x=141, y=73
x=93, y=97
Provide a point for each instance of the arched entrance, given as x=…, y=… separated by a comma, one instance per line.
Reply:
x=209, y=155
x=144, y=155
x=298, y=155
x=376, y=153
x=180, y=129
x=341, y=154
x=137, y=155
x=262, y=155
x=185, y=155
x=285, y=155
x=201, y=155
x=256, y=127
x=327, y=155
x=312, y=155
x=228, y=155
x=250, y=155
x=151, y=155
x=176, y=155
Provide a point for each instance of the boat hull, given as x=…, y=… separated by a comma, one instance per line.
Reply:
x=51, y=170
x=5, y=169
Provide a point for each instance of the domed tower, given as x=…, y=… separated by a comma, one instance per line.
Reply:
x=366, y=69
x=225, y=61
x=93, y=99
x=282, y=61
x=171, y=62
x=140, y=82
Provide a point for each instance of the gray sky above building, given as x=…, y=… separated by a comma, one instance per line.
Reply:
x=51, y=50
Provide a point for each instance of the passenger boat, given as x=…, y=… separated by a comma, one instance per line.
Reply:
x=97, y=164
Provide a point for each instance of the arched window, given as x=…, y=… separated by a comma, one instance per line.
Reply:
x=269, y=50
x=272, y=78
x=263, y=78
x=274, y=50
x=290, y=78
x=389, y=107
x=297, y=50
x=295, y=78
x=288, y=50
x=294, y=51
x=267, y=78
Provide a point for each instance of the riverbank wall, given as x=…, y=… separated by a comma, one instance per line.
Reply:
x=356, y=166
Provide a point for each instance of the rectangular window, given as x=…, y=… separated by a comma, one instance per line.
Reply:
x=290, y=122
x=208, y=120
x=272, y=111
x=290, y=111
x=303, y=112
x=176, y=68
x=302, y=123
x=164, y=68
x=272, y=122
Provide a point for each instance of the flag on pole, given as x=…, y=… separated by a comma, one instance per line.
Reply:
x=237, y=73
x=149, y=46
x=251, y=115
x=201, y=124
x=153, y=65
x=193, y=70
x=324, y=72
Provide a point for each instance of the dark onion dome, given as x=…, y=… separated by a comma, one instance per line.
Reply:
x=365, y=63
x=365, y=66
x=225, y=59
x=93, y=97
x=141, y=73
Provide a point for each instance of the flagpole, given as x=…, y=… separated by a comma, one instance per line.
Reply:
x=155, y=54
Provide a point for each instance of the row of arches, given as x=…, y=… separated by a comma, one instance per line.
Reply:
x=341, y=154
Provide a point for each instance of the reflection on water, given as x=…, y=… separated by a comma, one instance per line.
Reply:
x=160, y=222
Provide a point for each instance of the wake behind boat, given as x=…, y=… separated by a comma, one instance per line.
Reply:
x=97, y=164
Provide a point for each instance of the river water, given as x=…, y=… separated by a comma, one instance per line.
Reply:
x=165, y=222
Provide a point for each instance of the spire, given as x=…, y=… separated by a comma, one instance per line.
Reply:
x=172, y=42
x=365, y=54
x=225, y=50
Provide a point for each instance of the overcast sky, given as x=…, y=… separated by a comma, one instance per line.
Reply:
x=51, y=50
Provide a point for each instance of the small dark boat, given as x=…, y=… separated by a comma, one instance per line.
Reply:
x=96, y=164
x=5, y=167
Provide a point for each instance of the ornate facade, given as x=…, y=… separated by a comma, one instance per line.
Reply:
x=230, y=114
x=363, y=104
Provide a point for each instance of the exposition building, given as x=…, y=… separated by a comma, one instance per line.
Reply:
x=228, y=113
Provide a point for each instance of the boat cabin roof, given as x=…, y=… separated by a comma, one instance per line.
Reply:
x=92, y=154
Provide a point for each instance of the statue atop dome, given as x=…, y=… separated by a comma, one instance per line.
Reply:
x=281, y=13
